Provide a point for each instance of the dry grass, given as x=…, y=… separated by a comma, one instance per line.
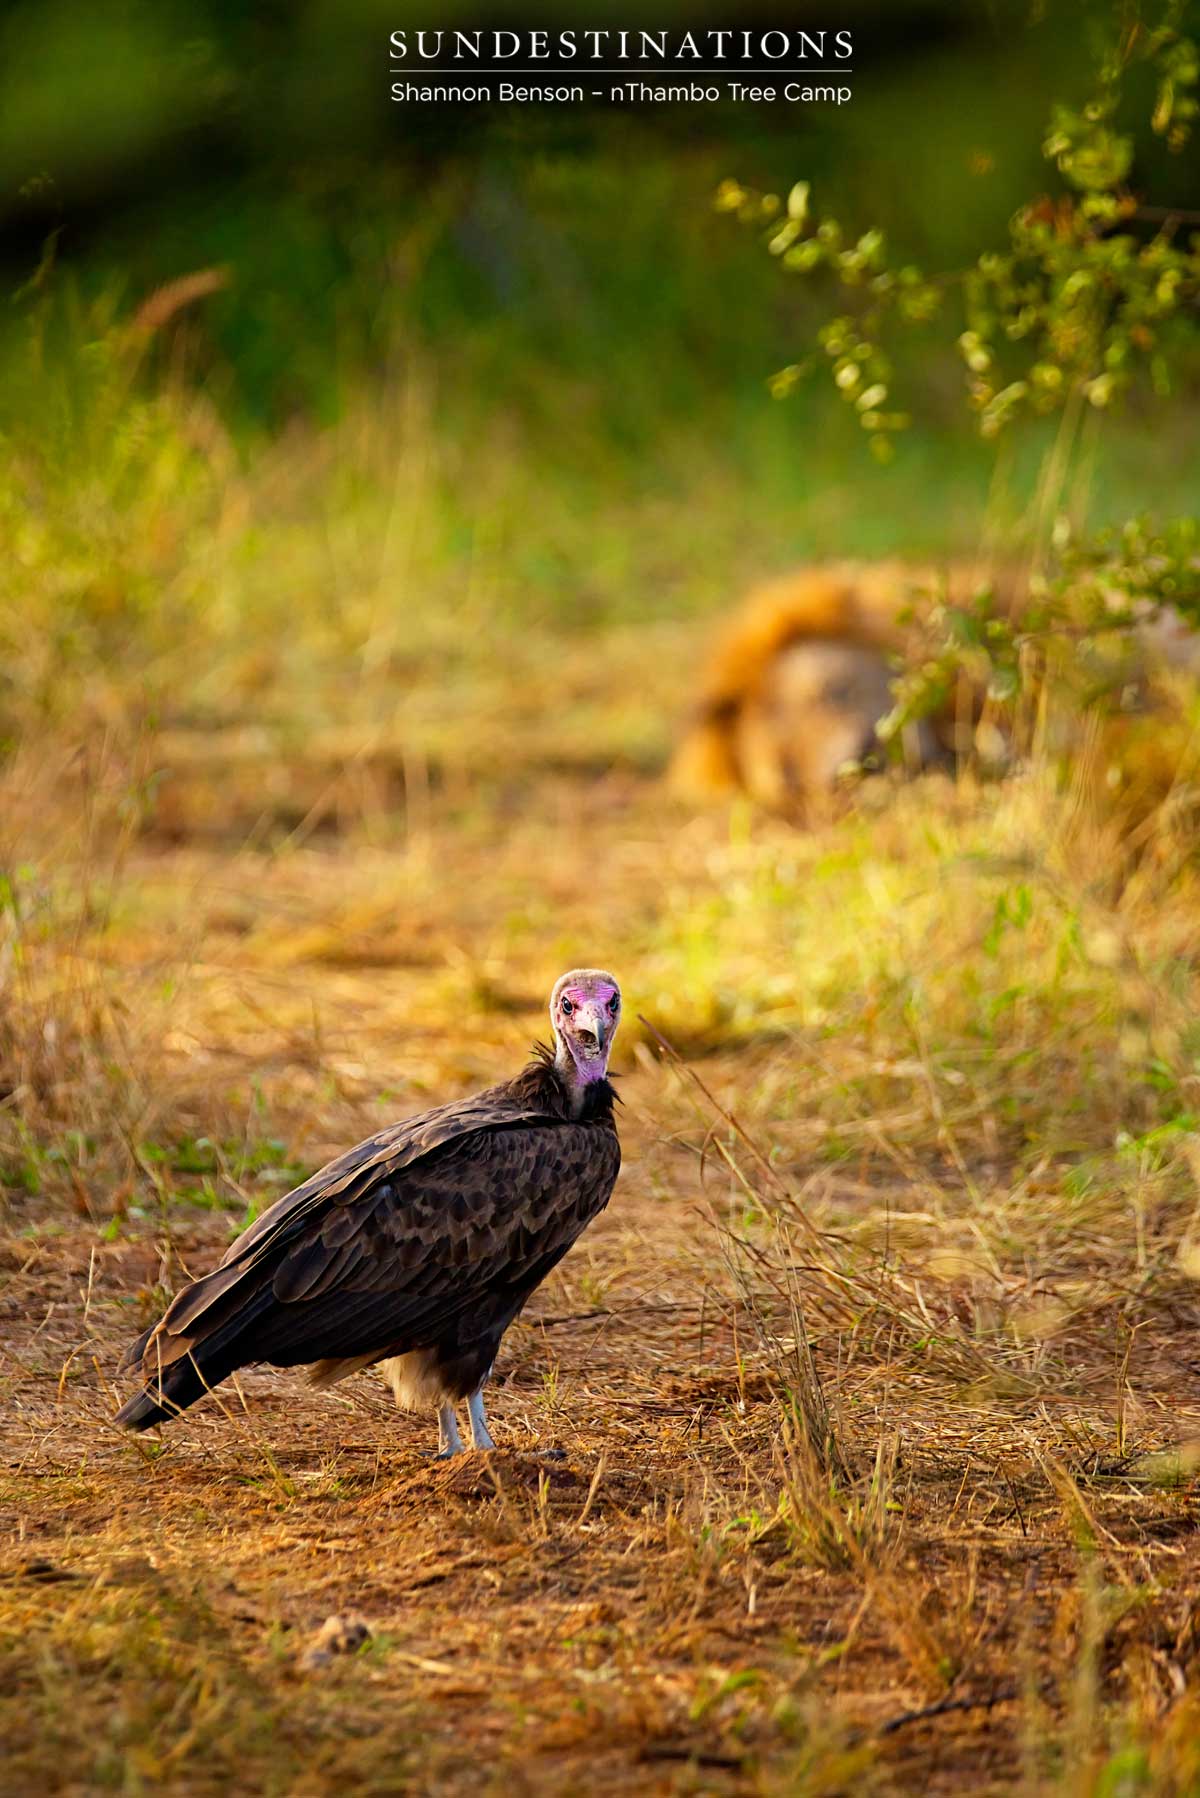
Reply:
x=990, y=1577
x=874, y=1390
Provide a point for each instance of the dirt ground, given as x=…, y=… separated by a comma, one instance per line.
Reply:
x=651, y=1586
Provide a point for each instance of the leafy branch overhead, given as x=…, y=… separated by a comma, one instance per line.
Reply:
x=1080, y=303
x=1095, y=290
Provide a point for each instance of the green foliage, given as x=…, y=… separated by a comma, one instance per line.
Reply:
x=1094, y=294
x=1109, y=607
x=1077, y=305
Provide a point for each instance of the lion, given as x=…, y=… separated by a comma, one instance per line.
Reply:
x=801, y=677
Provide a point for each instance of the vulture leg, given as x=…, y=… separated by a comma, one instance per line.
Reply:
x=480, y=1438
x=449, y=1440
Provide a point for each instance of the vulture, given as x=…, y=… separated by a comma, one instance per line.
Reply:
x=415, y=1250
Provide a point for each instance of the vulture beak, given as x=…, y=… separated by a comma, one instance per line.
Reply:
x=591, y=1027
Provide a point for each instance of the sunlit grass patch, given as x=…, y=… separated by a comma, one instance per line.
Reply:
x=177, y=1691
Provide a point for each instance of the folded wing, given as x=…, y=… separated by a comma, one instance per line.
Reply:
x=433, y=1230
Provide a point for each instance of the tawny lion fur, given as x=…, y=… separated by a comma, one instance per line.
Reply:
x=800, y=676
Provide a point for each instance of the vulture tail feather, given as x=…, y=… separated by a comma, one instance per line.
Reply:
x=132, y=1358
x=194, y=1368
x=181, y=1386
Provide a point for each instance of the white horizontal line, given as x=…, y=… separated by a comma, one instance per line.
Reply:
x=631, y=74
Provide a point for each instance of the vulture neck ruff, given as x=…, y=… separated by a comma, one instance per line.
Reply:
x=582, y=1101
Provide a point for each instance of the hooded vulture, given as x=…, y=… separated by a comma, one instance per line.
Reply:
x=415, y=1250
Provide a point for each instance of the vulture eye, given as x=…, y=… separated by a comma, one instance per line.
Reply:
x=614, y=1002
x=568, y=1008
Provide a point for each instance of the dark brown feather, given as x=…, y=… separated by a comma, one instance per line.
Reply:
x=432, y=1233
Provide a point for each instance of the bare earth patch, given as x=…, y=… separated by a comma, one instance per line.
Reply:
x=652, y=1586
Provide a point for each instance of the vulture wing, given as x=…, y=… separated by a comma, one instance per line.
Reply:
x=436, y=1228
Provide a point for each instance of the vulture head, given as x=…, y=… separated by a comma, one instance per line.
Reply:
x=585, y=1008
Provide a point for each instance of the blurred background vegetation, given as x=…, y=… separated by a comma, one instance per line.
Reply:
x=466, y=374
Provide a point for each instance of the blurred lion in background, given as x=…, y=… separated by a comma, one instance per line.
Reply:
x=801, y=677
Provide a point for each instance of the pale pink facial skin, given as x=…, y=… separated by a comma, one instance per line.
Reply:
x=585, y=1009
